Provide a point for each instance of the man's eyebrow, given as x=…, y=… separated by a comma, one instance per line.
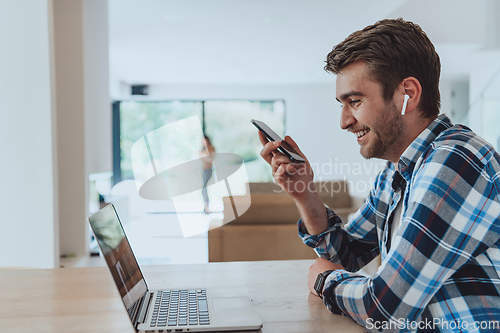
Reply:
x=349, y=94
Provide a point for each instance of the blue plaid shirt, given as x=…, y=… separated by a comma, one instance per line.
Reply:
x=444, y=261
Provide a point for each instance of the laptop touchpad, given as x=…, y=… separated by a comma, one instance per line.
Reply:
x=234, y=311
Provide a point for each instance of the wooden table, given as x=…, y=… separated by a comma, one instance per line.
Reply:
x=86, y=300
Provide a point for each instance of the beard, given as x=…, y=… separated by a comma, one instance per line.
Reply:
x=385, y=134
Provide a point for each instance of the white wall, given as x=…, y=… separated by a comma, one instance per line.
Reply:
x=455, y=99
x=483, y=86
x=485, y=74
x=28, y=192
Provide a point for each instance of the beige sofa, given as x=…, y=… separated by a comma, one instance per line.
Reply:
x=268, y=229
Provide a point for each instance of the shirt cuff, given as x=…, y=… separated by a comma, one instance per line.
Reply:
x=331, y=282
x=314, y=240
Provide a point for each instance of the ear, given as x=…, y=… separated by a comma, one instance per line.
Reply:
x=411, y=87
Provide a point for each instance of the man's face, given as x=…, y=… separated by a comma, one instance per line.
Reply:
x=376, y=123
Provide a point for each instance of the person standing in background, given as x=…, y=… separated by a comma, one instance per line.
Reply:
x=207, y=154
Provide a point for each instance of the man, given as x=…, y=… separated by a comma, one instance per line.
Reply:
x=433, y=214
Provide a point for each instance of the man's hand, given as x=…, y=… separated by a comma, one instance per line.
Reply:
x=294, y=178
x=297, y=180
x=319, y=265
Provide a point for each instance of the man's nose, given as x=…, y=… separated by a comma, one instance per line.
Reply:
x=346, y=118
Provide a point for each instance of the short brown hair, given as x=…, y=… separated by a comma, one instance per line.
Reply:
x=393, y=49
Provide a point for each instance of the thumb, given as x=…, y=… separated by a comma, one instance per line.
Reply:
x=294, y=145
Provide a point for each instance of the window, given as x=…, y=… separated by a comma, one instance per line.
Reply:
x=226, y=122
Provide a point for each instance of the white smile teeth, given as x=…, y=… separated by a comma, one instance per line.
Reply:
x=361, y=133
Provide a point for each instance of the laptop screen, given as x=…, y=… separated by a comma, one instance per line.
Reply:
x=119, y=257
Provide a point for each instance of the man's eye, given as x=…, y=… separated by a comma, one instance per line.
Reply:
x=354, y=102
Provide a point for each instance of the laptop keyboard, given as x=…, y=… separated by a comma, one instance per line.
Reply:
x=180, y=308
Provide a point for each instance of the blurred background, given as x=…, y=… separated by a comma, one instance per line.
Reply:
x=82, y=80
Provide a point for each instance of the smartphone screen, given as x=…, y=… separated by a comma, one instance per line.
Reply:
x=272, y=136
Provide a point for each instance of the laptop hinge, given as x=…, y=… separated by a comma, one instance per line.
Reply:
x=142, y=311
x=137, y=309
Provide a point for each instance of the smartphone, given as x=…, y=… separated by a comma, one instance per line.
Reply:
x=284, y=147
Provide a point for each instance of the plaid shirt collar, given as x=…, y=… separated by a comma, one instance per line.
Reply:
x=411, y=155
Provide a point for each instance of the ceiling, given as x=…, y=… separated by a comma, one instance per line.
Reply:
x=272, y=42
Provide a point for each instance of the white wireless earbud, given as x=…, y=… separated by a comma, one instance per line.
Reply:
x=405, y=102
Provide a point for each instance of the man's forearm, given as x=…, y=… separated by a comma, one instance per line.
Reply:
x=313, y=213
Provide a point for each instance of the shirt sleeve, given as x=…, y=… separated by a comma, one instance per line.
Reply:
x=355, y=244
x=452, y=216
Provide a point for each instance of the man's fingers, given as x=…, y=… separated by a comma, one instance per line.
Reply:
x=279, y=176
x=294, y=145
x=278, y=159
x=267, y=150
x=280, y=171
x=263, y=138
x=291, y=169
